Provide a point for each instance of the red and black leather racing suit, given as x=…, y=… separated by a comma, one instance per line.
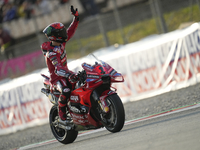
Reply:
x=56, y=61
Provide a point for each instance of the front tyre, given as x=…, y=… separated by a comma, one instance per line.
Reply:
x=115, y=118
x=63, y=136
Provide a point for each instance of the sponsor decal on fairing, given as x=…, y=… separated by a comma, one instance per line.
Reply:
x=79, y=116
x=74, y=98
x=74, y=109
x=93, y=76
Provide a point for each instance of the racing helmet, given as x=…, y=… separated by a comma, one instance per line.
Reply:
x=56, y=32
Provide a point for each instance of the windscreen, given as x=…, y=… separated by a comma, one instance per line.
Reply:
x=92, y=61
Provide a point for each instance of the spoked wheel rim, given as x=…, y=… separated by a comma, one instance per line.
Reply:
x=111, y=117
x=58, y=132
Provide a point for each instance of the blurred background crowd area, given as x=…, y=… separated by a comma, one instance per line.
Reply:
x=14, y=9
x=22, y=21
x=103, y=23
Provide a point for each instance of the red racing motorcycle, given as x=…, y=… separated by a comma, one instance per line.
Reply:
x=93, y=103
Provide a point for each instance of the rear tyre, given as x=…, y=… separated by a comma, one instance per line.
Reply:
x=63, y=136
x=115, y=118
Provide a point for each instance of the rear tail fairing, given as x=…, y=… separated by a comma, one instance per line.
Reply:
x=53, y=97
x=46, y=81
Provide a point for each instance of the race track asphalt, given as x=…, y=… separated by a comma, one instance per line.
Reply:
x=173, y=130
x=133, y=110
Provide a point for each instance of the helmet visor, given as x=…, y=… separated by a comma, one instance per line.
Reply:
x=60, y=34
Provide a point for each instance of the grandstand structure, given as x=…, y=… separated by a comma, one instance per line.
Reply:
x=21, y=27
x=130, y=12
x=88, y=36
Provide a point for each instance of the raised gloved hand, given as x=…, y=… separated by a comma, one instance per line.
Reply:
x=74, y=12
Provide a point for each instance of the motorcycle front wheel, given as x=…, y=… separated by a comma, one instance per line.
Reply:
x=115, y=118
x=63, y=136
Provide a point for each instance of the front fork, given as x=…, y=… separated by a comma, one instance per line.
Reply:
x=101, y=100
x=103, y=105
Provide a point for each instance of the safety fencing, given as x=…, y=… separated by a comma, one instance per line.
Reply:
x=150, y=67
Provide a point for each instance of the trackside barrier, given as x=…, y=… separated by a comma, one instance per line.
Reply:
x=21, y=65
x=150, y=67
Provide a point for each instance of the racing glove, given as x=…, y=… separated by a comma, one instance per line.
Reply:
x=75, y=12
x=73, y=78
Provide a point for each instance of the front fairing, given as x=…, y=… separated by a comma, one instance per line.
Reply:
x=96, y=69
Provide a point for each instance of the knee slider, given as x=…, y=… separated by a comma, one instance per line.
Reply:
x=64, y=96
x=62, y=101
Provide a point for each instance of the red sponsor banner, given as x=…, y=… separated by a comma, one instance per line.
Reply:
x=21, y=65
x=123, y=89
x=24, y=114
x=10, y=117
x=147, y=80
x=34, y=110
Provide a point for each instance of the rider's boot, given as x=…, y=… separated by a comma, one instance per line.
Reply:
x=62, y=116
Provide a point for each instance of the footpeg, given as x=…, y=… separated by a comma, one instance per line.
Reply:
x=64, y=122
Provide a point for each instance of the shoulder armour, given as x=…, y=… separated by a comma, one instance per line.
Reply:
x=44, y=47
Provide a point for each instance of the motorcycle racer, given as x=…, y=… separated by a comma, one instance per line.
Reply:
x=93, y=104
x=56, y=60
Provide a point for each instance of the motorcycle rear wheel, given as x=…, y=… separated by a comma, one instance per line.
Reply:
x=116, y=116
x=63, y=136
